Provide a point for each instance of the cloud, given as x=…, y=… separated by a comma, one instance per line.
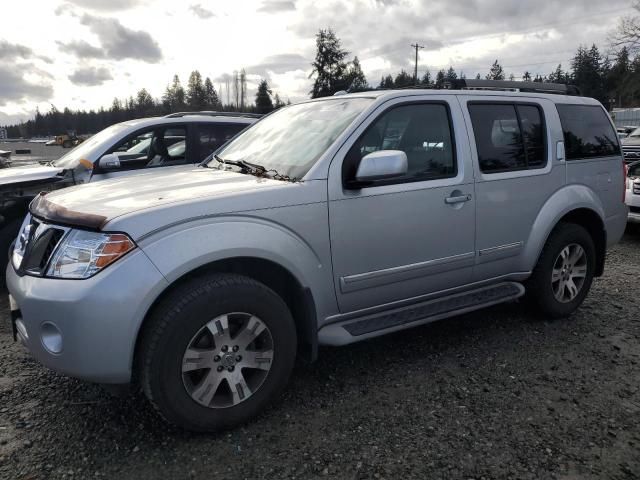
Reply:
x=10, y=51
x=107, y=5
x=81, y=49
x=119, y=42
x=14, y=88
x=90, y=76
x=282, y=63
x=199, y=11
x=277, y=6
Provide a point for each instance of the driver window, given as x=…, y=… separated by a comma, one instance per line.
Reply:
x=422, y=131
x=159, y=147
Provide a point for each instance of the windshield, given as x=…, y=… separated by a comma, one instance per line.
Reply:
x=290, y=140
x=71, y=159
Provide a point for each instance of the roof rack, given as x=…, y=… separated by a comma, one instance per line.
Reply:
x=514, y=86
x=210, y=113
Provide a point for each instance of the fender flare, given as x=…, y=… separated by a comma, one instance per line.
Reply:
x=559, y=205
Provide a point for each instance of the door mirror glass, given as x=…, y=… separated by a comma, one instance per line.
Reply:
x=382, y=165
x=110, y=161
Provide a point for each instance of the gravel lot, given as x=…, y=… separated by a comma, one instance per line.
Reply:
x=39, y=152
x=501, y=393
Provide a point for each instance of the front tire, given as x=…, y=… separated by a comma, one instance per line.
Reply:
x=216, y=351
x=562, y=278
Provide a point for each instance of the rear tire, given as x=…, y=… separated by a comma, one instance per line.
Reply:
x=563, y=275
x=190, y=365
x=67, y=144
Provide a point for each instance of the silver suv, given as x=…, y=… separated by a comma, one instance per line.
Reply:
x=325, y=223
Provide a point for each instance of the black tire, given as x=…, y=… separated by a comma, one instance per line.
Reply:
x=179, y=317
x=8, y=233
x=539, y=286
x=67, y=144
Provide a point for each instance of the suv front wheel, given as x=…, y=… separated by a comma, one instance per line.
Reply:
x=216, y=351
x=562, y=278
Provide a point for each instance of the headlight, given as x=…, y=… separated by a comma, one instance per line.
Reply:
x=82, y=254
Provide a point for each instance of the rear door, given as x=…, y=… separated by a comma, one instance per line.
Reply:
x=516, y=171
x=410, y=236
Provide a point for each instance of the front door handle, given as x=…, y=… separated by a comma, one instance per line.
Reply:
x=457, y=199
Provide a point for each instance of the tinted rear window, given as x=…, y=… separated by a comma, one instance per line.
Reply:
x=587, y=132
x=509, y=137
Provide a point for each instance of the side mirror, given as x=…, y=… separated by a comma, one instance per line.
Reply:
x=381, y=165
x=110, y=161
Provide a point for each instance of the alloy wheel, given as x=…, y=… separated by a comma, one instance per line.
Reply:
x=569, y=273
x=227, y=360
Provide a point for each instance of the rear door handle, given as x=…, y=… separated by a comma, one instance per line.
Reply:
x=457, y=199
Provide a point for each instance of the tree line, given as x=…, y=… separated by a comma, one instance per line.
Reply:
x=612, y=78
x=198, y=95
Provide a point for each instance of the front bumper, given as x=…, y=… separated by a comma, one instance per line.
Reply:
x=97, y=319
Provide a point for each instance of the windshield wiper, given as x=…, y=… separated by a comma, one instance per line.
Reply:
x=255, y=169
x=249, y=167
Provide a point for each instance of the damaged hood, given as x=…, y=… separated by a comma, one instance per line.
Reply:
x=28, y=173
x=163, y=196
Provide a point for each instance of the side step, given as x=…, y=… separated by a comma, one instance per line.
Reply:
x=354, y=330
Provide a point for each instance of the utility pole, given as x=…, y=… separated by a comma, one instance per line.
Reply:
x=415, y=72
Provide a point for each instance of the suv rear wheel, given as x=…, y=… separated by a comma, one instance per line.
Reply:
x=562, y=278
x=216, y=351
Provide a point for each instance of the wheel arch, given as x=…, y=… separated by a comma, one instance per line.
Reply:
x=281, y=280
x=575, y=204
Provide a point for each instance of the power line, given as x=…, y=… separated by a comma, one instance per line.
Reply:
x=415, y=74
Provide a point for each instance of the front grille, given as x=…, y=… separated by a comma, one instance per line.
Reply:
x=631, y=153
x=634, y=209
x=636, y=188
x=40, y=242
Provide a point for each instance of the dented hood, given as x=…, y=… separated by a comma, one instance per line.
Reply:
x=93, y=205
x=27, y=173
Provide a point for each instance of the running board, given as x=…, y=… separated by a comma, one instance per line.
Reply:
x=354, y=330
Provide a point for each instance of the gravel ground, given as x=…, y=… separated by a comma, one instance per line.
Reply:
x=39, y=152
x=501, y=393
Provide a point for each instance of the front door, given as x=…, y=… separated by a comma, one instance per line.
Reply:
x=414, y=235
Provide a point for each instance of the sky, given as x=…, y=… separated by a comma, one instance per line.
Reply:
x=82, y=53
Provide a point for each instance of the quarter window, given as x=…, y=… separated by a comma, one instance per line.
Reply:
x=588, y=132
x=422, y=131
x=213, y=136
x=508, y=136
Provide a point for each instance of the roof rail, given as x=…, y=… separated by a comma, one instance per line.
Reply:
x=514, y=86
x=210, y=113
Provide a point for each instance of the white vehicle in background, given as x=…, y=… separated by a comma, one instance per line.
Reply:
x=122, y=149
x=633, y=192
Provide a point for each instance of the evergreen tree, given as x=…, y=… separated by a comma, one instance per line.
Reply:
x=173, y=98
x=144, y=103
x=403, y=79
x=329, y=67
x=356, y=80
x=388, y=82
x=211, y=99
x=526, y=77
x=451, y=75
x=196, y=95
x=263, y=98
x=496, y=72
x=278, y=103
x=426, y=79
x=440, y=79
